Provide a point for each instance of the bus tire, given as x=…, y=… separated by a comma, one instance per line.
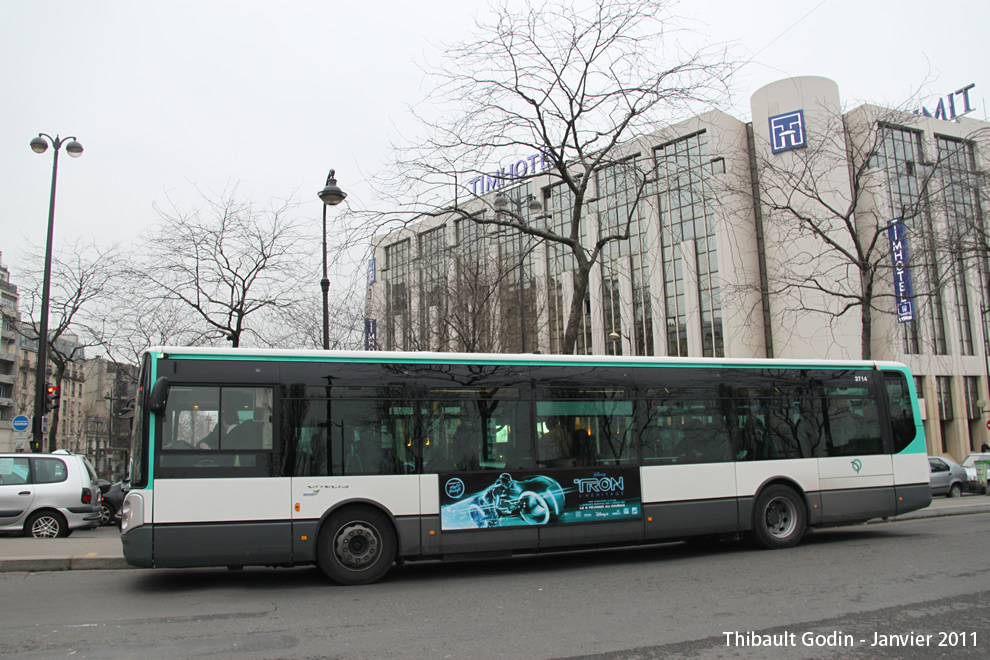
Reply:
x=356, y=546
x=779, y=518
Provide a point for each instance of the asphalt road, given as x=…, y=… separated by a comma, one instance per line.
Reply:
x=924, y=576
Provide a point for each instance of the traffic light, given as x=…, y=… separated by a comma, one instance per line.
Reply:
x=52, y=400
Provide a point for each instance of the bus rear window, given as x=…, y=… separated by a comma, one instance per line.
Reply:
x=902, y=424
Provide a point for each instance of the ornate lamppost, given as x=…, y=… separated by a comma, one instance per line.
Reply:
x=40, y=145
x=331, y=195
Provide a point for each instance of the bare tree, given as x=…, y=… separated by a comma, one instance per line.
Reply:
x=83, y=281
x=227, y=262
x=568, y=85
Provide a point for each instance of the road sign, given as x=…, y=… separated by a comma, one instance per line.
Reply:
x=21, y=423
x=988, y=424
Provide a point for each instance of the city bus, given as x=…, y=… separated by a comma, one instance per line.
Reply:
x=357, y=461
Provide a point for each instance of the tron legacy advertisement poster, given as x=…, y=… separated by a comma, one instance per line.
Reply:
x=522, y=498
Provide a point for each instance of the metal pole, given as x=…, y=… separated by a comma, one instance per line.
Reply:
x=522, y=301
x=40, y=376
x=325, y=285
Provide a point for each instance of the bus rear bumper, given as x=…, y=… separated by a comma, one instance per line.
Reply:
x=911, y=497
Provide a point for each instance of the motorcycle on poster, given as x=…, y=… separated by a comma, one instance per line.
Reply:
x=551, y=497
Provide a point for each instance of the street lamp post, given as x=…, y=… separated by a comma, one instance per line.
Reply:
x=331, y=195
x=40, y=145
x=502, y=201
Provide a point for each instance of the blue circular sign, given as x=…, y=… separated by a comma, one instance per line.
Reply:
x=21, y=422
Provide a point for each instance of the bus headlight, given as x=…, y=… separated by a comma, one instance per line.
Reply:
x=132, y=513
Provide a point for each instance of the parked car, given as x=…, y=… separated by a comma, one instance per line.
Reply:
x=969, y=463
x=111, y=501
x=48, y=495
x=948, y=477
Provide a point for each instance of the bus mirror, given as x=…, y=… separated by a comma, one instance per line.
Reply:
x=159, y=396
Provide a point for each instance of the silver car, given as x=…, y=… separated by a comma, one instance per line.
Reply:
x=48, y=495
x=948, y=477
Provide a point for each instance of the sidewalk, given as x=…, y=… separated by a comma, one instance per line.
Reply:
x=84, y=549
x=101, y=549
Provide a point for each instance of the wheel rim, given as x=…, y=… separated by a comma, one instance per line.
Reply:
x=357, y=545
x=781, y=517
x=105, y=514
x=534, y=509
x=45, y=527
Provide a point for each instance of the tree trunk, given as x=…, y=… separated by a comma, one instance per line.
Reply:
x=867, y=317
x=576, y=313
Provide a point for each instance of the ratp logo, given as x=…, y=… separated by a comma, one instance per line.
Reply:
x=787, y=132
x=857, y=465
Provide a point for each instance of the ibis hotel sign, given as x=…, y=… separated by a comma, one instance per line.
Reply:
x=529, y=166
x=903, y=291
x=787, y=132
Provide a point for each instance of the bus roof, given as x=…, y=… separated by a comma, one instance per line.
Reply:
x=425, y=357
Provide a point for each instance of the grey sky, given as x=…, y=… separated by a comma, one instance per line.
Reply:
x=171, y=95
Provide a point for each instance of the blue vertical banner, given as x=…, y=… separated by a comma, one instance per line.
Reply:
x=903, y=291
x=371, y=272
x=370, y=335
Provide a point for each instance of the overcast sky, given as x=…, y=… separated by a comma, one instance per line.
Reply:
x=171, y=95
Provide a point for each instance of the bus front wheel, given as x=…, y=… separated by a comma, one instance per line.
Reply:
x=779, y=519
x=356, y=546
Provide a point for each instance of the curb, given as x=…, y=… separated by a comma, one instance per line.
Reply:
x=40, y=565
x=930, y=512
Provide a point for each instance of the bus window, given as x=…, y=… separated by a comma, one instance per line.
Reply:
x=216, y=431
x=852, y=422
x=370, y=436
x=902, y=423
x=777, y=420
x=685, y=425
x=465, y=429
x=369, y=432
x=579, y=427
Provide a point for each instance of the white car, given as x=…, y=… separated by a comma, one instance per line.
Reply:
x=48, y=495
x=969, y=463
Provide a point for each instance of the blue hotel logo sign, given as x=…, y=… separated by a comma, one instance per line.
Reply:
x=529, y=166
x=903, y=291
x=787, y=132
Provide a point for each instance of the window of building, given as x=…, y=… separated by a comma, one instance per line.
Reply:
x=622, y=191
x=898, y=154
x=432, y=274
x=560, y=263
x=683, y=184
x=958, y=185
x=973, y=411
x=471, y=308
x=943, y=391
x=397, y=278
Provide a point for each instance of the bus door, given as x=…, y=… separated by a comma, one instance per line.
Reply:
x=217, y=496
x=855, y=471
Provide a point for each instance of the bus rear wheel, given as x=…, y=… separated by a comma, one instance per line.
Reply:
x=779, y=519
x=356, y=546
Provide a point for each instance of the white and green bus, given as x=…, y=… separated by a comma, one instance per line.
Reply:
x=356, y=460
